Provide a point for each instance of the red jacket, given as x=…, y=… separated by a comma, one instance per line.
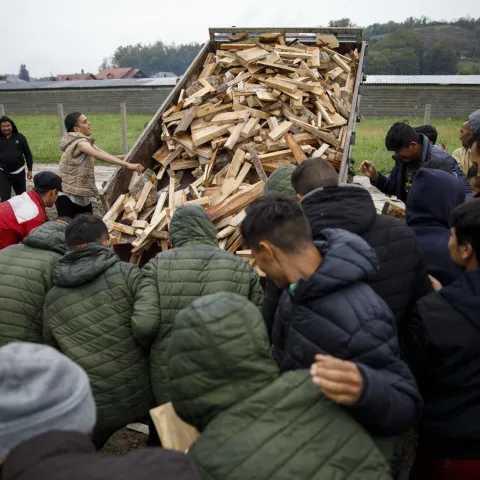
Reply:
x=19, y=216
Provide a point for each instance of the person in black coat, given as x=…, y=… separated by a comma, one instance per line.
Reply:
x=402, y=277
x=442, y=347
x=433, y=197
x=327, y=310
x=14, y=152
x=411, y=150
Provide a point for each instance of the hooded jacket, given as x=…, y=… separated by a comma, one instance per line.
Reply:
x=102, y=316
x=78, y=174
x=195, y=267
x=19, y=216
x=14, y=150
x=429, y=217
x=442, y=349
x=335, y=312
x=394, y=184
x=60, y=455
x=26, y=276
x=254, y=422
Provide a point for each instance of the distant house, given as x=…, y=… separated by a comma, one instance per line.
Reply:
x=120, y=73
x=10, y=79
x=163, y=75
x=76, y=76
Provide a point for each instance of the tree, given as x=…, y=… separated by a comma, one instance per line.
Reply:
x=441, y=60
x=105, y=64
x=23, y=73
x=342, y=22
x=378, y=64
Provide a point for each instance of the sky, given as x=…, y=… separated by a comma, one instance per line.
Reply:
x=64, y=36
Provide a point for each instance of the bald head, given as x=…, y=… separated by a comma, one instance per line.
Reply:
x=312, y=174
x=466, y=132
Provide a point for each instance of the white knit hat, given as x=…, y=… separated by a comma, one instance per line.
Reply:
x=41, y=390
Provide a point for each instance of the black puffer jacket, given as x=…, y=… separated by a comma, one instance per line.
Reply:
x=334, y=312
x=14, y=150
x=402, y=276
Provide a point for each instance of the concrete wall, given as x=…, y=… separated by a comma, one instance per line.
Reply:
x=410, y=100
x=91, y=100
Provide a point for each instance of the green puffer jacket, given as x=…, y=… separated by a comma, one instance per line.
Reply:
x=102, y=315
x=255, y=423
x=196, y=266
x=281, y=181
x=26, y=275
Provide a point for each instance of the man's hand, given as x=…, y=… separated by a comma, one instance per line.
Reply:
x=135, y=167
x=435, y=283
x=339, y=380
x=29, y=175
x=444, y=147
x=368, y=169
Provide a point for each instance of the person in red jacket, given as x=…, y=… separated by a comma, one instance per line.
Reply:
x=22, y=213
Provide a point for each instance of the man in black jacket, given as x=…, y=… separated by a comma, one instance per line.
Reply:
x=14, y=152
x=47, y=412
x=443, y=347
x=327, y=310
x=402, y=277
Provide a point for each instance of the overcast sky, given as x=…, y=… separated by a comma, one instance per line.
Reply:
x=64, y=36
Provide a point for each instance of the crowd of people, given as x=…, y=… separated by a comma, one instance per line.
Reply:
x=367, y=326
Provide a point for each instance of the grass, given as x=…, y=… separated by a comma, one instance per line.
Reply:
x=42, y=132
x=371, y=131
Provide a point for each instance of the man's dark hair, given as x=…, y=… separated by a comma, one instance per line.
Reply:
x=84, y=229
x=71, y=120
x=472, y=171
x=466, y=222
x=475, y=139
x=279, y=219
x=429, y=131
x=435, y=164
x=400, y=135
x=312, y=174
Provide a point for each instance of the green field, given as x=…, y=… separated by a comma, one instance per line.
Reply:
x=42, y=132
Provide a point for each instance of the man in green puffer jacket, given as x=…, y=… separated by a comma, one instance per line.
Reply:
x=26, y=276
x=102, y=316
x=254, y=422
x=196, y=266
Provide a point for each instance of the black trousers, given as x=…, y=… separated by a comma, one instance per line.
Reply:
x=66, y=208
x=17, y=181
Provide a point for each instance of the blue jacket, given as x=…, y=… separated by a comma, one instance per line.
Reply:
x=334, y=312
x=433, y=196
x=394, y=184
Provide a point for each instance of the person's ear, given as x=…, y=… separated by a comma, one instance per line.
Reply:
x=466, y=251
x=266, y=250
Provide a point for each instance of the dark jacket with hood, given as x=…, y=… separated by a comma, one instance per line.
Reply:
x=14, y=150
x=254, y=422
x=195, y=266
x=443, y=350
x=402, y=277
x=26, y=276
x=433, y=197
x=394, y=184
x=67, y=455
x=335, y=312
x=102, y=315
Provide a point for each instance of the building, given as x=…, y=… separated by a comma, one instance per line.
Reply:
x=75, y=76
x=163, y=75
x=10, y=79
x=406, y=95
x=120, y=73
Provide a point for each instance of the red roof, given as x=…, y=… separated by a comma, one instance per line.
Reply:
x=117, y=73
x=76, y=76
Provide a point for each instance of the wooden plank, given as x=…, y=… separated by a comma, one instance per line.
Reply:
x=173, y=117
x=250, y=126
x=242, y=175
x=236, y=245
x=143, y=197
x=328, y=40
x=115, y=209
x=333, y=74
x=230, y=117
x=120, y=227
x=226, y=232
x=280, y=131
x=235, y=136
x=232, y=238
x=238, y=219
x=184, y=164
x=277, y=66
x=321, y=151
x=223, y=223
x=272, y=123
x=281, y=85
x=208, y=70
x=199, y=201
x=295, y=148
x=257, y=164
x=171, y=194
x=252, y=55
x=309, y=128
x=235, y=46
x=294, y=55
x=130, y=205
x=207, y=110
x=235, y=164
x=204, y=135
x=267, y=96
x=186, y=120
x=165, y=161
x=253, y=112
x=324, y=113
x=140, y=224
x=341, y=63
x=236, y=202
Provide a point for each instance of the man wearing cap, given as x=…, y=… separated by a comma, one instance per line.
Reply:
x=47, y=413
x=463, y=155
x=22, y=213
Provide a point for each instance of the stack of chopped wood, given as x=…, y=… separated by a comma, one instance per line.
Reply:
x=253, y=108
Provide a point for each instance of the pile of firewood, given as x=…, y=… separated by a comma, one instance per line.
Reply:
x=253, y=108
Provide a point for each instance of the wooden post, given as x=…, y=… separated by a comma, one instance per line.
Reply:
x=428, y=111
x=61, y=118
x=123, y=113
x=2, y=110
